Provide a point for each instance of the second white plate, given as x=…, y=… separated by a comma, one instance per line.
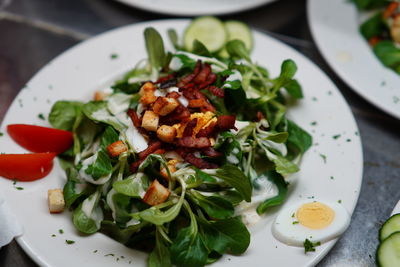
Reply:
x=335, y=27
x=195, y=7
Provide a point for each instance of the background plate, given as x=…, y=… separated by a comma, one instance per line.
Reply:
x=334, y=25
x=195, y=7
x=330, y=170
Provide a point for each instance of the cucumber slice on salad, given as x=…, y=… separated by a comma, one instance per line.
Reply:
x=388, y=253
x=208, y=30
x=239, y=30
x=389, y=227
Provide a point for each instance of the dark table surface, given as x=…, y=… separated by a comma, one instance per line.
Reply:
x=32, y=32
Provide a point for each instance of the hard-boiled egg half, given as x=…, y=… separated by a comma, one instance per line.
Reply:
x=311, y=219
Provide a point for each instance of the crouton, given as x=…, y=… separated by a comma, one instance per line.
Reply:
x=56, y=201
x=171, y=167
x=150, y=121
x=166, y=133
x=147, y=93
x=99, y=96
x=116, y=148
x=156, y=194
x=147, y=87
x=165, y=105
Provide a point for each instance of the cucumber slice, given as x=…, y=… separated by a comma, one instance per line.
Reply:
x=208, y=30
x=390, y=226
x=239, y=30
x=388, y=253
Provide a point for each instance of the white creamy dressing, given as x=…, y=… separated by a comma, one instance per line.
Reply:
x=118, y=103
x=241, y=124
x=217, y=65
x=138, y=178
x=110, y=202
x=78, y=187
x=172, y=155
x=135, y=139
x=231, y=158
x=89, y=178
x=183, y=100
x=90, y=211
x=266, y=189
x=123, y=118
x=235, y=76
x=132, y=222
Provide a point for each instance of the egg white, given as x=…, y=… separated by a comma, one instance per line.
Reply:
x=287, y=231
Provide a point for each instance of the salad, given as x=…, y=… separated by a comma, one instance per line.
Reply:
x=382, y=30
x=170, y=157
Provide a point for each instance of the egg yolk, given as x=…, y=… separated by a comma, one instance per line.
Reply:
x=315, y=215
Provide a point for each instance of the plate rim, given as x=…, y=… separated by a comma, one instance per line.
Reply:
x=340, y=72
x=185, y=12
x=38, y=259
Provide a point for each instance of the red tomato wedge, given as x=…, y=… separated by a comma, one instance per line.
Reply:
x=40, y=139
x=26, y=167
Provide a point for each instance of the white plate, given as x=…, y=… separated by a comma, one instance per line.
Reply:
x=396, y=208
x=195, y=7
x=335, y=27
x=88, y=66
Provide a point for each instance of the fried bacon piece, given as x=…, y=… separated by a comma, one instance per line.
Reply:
x=135, y=165
x=226, y=122
x=207, y=131
x=203, y=74
x=185, y=80
x=218, y=92
x=166, y=78
x=210, y=80
x=189, y=128
x=153, y=146
x=134, y=117
x=199, y=162
x=173, y=94
x=192, y=142
x=390, y=10
x=197, y=103
x=180, y=114
x=211, y=152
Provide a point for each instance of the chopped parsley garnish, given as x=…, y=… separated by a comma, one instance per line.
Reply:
x=41, y=116
x=114, y=56
x=53, y=235
x=69, y=242
x=310, y=246
x=323, y=157
x=1, y=134
x=339, y=201
x=313, y=123
x=314, y=98
x=332, y=177
x=61, y=231
x=293, y=215
x=110, y=254
x=14, y=181
x=336, y=136
x=95, y=251
x=19, y=188
x=295, y=222
x=348, y=140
